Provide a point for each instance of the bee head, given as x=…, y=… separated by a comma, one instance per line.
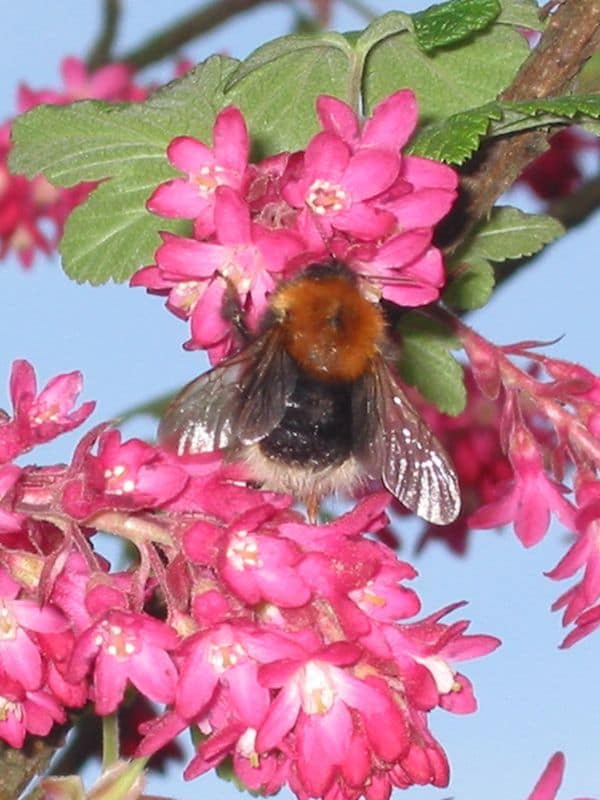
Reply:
x=329, y=328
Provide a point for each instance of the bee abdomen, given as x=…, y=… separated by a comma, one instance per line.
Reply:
x=316, y=428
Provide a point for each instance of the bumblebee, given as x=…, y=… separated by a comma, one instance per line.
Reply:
x=312, y=406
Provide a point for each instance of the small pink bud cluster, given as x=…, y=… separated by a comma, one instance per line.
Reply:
x=277, y=640
x=350, y=195
x=558, y=172
x=26, y=206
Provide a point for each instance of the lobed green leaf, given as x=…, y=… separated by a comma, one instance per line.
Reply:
x=521, y=13
x=112, y=235
x=451, y=22
x=545, y=111
x=381, y=28
x=510, y=233
x=89, y=140
x=449, y=81
x=277, y=92
x=427, y=364
x=470, y=283
x=455, y=139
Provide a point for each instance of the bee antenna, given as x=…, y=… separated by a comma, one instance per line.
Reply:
x=396, y=279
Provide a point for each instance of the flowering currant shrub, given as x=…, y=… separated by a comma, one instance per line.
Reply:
x=294, y=651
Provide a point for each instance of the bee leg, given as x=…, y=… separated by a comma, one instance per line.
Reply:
x=232, y=311
x=312, y=508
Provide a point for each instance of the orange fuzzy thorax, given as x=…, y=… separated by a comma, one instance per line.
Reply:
x=328, y=327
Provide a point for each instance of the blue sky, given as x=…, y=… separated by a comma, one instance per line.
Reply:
x=534, y=699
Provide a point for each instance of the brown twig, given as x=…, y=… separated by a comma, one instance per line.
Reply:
x=169, y=40
x=19, y=767
x=100, y=53
x=572, y=35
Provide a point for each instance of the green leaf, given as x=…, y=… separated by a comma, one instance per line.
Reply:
x=112, y=234
x=448, y=81
x=427, y=364
x=470, y=283
x=88, y=140
x=452, y=22
x=455, y=139
x=381, y=28
x=276, y=87
x=546, y=111
x=511, y=233
x=522, y=13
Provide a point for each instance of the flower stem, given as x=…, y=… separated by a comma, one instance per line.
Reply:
x=361, y=8
x=110, y=740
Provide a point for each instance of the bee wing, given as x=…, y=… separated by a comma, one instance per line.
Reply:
x=268, y=385
x=240, y=400
x=393, y=442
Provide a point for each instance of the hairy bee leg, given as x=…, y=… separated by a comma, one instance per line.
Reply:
x=232, y=311
x=312, y=508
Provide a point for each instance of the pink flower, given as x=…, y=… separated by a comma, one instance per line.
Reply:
x=129, y=474
x=530, y=499
x=26, y=206
x=253, y=559
x=388, y=128
x=41, y=417
x=406, y=269
x=23, y=712
x=113, y=82
x=245, y=256
x=424, y=652
x=335, y=187
x=323, y=702
x=124, y=646
x=224, y=164
x=585, y=551
x=229, y=656
x=9, y=520
x=558, y=171
x=423, y=190
x=219, y=489
x=20, y=620
x=550, y=780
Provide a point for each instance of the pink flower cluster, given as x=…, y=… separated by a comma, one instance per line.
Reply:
x=350, y=195
x=541, y=426
x=277, y=640
x=522, y=434
x=26, y=206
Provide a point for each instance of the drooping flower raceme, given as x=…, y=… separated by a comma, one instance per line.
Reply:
x=262, y=646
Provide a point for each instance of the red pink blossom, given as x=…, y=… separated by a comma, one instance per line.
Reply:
x=351, y=194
